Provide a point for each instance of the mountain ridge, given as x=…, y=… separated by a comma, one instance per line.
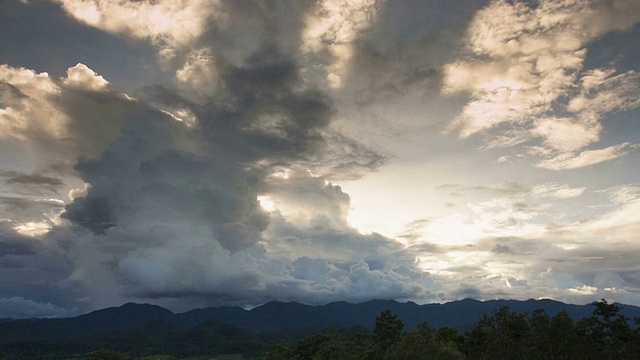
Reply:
x=272, y=316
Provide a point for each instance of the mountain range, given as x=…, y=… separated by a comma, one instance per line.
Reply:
x=278, y=316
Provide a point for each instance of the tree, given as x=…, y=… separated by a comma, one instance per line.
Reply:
x=540, y=337
x=606, y=334
x=563, y=338
x=387, y=331
x=278, y=351
x=425, y=342
x=501, y=336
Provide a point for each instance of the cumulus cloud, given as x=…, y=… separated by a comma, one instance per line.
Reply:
x=28, y=112
x=67, y=118
x=82, y=77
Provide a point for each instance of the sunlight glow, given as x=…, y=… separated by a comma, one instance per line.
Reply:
x=33, y=228
x=267, y=203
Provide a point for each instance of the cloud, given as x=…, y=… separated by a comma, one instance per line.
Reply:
x=557, y=191
x=518, y=192
x=61, y=119
x=18, y=307
x=30, y=184
x=199, y=72
x=31, y=216
x=28, y=111
x=81, y=76
x=524, y=61
x=221, y=179
x=566, y=134
x=567, y=161
x=333, y=26
x=167, y=24
x=623, y=193
x=170, y=208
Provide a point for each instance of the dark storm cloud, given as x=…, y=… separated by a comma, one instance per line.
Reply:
x=13, y=244
x=266, y=116
x=405, y=48
x=173, y=206
x=36, y=273
x=31, y=183
x=34, y=179
x=95, y=118
x=144, y=178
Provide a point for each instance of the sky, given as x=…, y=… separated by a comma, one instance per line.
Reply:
x=196, y=153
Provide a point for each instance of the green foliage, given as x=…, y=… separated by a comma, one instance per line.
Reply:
x=607, y=334
x=278, y=351
x=105, y=354
x=425, y=342
x=501, y=336
x=508, y=335
x=387, y=332
x=331, y=344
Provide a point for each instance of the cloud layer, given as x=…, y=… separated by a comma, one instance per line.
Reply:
x=217, y=174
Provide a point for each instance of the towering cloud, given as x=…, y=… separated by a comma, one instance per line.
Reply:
x=171, y=205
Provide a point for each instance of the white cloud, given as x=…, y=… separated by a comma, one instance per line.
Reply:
x=584, y=290
x=566, y=134
x=525, y=60
x=567, y=161
x=32, y=111
x=28, y=113
x=602, y=91
x=557, y=191
x=620, y=225
x=81, y=76
x=624, y=193
x=166, y=23
x=33, y=228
